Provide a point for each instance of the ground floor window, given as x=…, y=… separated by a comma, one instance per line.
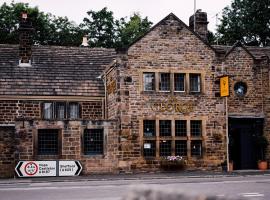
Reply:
x=172, y=137
x=93, y=140
x=48, y=142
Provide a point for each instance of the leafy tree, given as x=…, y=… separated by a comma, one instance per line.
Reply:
x=247, y=21
x=132, y=30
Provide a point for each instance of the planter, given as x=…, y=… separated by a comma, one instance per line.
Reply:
x=262, y=165
x=230, y=166
x=172, y=166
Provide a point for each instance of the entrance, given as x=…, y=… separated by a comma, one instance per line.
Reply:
x=242, y=149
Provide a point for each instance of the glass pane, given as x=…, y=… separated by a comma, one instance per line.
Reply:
x=149, y=81
x=73, y=110
x=93, y=141
x=149, y=128
x=196, y=148
x=165, y=128
x=48, y=110
x=196, y=128
x=165, y=148
x=164, y=82
x=179, y=82
x=180, y=128
x=195, y=82
x=60, y=110
x=149, y=148
x=181, y=148
x=48, y=142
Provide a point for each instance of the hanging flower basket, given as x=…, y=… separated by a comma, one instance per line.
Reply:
x=172, y=163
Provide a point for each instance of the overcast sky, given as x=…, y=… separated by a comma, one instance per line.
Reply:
x=156, y=10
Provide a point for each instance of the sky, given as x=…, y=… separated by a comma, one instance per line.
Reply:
x=155, y=10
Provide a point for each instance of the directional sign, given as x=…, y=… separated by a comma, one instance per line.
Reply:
x=48, y=168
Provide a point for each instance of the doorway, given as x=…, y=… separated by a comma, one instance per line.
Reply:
x=242, y=149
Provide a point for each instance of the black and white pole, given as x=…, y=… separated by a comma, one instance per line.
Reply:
x=194, y=24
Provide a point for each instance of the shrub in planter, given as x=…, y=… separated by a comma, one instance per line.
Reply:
x=172, y=163
x=261, y=142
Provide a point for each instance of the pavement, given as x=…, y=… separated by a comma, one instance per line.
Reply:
x=137, y=176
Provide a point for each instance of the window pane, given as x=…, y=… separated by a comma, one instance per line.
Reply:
x=196, y=128
x=60, y=110
x=149, y=148
x=195, y=82
x=165, y=128
x=196, y=148
x=48, y=110
x=149, y=81
x=181, y=148
x=164, y=82
x=149, y=128
x=179, y=82
x=93, y=141
x=74, y=110
x=48, y=142
x=180, y=128
x=165, y=148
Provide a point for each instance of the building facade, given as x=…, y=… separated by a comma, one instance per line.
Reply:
x=124, y=111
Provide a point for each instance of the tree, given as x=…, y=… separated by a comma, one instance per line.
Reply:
x=132, y=30
x=247, y=21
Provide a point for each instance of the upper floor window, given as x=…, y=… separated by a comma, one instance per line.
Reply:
x=61, y=110
x=149, y=81
x=179, y=82
x=164, y=81
x=195, y=82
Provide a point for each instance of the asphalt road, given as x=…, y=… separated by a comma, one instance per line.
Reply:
x=248, y=187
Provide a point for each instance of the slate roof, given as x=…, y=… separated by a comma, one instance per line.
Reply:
x=55, y=70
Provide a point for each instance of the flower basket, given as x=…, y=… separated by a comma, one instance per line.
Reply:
x=172, y=163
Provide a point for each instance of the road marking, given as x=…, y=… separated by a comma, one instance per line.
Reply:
x=220, y=195
x=255, y=194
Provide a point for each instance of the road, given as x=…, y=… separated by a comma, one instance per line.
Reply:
x=247, y=187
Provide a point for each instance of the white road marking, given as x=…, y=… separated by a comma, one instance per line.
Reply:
x=255, y=194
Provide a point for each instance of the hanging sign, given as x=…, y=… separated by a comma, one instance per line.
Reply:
x=224, y=86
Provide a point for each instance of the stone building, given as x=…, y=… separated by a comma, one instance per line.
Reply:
x=123, y=111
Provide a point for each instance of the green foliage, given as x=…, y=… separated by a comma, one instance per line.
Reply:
x=261, y=142
x=247, y=21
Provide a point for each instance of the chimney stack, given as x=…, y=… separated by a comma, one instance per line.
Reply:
x=25, y=40
x=200, y=23
x=85, y=41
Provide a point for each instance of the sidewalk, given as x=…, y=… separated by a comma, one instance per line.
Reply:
x=137, y=176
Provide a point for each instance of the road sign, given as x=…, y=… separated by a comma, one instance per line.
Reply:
x=48, y=168
x=224, y=86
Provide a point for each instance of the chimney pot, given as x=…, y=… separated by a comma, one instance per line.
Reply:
x=24, y=16
x=85, y=41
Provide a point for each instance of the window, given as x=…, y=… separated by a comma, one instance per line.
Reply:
x=149, y=81
x=165, y=148
x=48, y=142
x=181, y=148
x=194, y=83
x=196, y=128
x=58, y=110
x=149, y=148
x=74, y=110
x=48, y=110
x=93, y=141
x=180, y=128
x=179, y=82
x=172, y=141
x=196, y=148
x=164, y=82
x=149, y=128
x=165, y=128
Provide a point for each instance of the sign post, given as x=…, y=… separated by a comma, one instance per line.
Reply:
x=48, y=168
x=224, y=92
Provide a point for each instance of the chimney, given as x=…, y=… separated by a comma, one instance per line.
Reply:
x=200, y=23
x=25, y=40
x=85, y=42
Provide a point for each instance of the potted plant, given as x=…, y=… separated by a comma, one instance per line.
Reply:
x=172, y=163
x=262, y=143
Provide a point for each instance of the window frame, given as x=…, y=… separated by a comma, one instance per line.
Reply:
x=83, y=142
x=153, y=82
x=161, y=82
x=199, y=83
x=184, y=82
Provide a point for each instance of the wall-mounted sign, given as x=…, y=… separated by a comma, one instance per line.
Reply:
x=48, y=168
x=171, y=104
x=224, y=86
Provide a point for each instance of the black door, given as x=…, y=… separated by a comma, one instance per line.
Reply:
x=242, y=150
